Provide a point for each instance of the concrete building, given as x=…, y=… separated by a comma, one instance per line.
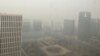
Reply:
x=10, y=35
x=37, y=26
x=69, y=27
x=84, y=24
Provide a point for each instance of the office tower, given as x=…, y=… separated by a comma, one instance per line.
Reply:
x=69, y=27
x=98, y=27
x=37, y=25
x=10, y=35
x=84, y=25
x=95, y=27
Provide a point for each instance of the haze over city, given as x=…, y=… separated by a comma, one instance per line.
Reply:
x=49, y=9
x=49, y=28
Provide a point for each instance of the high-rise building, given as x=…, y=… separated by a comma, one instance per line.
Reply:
x=95, y=27
x=98, y=27
x=84, y=25
x=37, y=25
x=10, y=35
x=69, y=27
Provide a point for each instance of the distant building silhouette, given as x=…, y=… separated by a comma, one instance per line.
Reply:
x=10, y=35
x=98, y=27
x=69, y=27
x=84, y=25
x=26, y=26
x=95, y=27
x=37, y=25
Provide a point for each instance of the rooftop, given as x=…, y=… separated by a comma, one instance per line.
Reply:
x=10, y=14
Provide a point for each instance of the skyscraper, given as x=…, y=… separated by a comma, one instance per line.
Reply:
x=10, y=35
x=84, y=25
x=98, y=27
x=69, y=27
x=95, y=27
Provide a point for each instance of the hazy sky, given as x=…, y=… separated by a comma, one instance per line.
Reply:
x=50, y=9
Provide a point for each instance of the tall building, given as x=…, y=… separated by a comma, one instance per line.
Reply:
x=69, y=27
x=95, y=27
x=10, y=35
x=98, y=27
x=37, y=25
x=84, y=25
